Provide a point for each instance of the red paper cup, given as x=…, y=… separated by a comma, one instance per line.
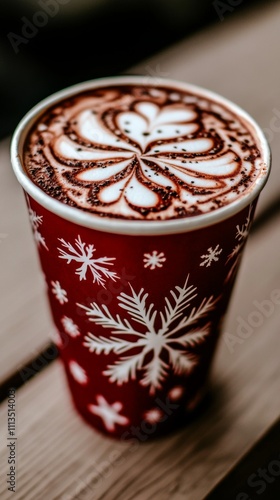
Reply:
x=138, y=305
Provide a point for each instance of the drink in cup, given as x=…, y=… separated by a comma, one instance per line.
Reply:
x=141, y=196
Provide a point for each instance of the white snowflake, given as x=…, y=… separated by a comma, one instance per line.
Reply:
x=154, y=259
x=84, y=255
x=235, y=252
x=36, y=221
x=78, y=373
x=171, y=340
x=59, y=292
x=70, y=327
x=235, y=255
x=243, y=231
x=153, y=416
x=211, y=256
x=176, y=392
x=110, y=414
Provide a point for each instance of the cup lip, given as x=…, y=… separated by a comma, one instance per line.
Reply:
x=124, y=226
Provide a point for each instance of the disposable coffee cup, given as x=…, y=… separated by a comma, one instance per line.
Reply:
x=138, y=304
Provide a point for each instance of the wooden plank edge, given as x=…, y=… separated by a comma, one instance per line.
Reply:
x=257, y=473
x=29, y=369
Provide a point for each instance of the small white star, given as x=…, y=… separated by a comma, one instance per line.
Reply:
x=108, y=413
x=176, y=392
x=154, y=259
x=153, y=416
x=59, y=293
x=78, y=373
x=70, y=327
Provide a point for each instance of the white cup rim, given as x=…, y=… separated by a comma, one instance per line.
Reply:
x=135, y=227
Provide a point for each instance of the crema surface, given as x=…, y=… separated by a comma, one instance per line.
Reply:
x=142, y=152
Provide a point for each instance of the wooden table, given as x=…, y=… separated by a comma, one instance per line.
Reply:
x=58, y=456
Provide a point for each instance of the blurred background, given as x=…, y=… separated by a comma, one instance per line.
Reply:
x=46, y=45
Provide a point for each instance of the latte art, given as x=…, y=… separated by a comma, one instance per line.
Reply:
x=140, y=152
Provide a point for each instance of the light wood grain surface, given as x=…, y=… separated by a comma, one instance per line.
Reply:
x=60, y=457
x=24, y=317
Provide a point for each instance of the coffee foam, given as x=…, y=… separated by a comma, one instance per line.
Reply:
x=140, y=152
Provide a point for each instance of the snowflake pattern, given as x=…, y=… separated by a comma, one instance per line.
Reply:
x=243, y=231
x=211, y=256
x=235, y=255
x=153, y=416
x=154, y=259
x=83, y=254
x=110, y=414
x=70, y=327
x=235, y=252
x=36, y=221
x=59, y=293
x=157, y=343
x=78, y=373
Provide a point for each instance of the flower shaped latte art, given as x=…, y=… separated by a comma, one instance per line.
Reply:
x=145, y=159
